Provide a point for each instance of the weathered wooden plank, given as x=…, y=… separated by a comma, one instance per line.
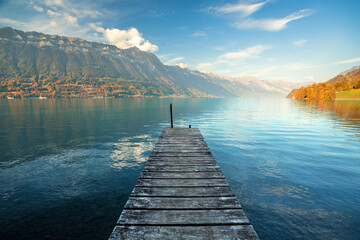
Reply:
x=172, y=158
x=186, y=147
x=181, y=168
x=158, y=162
x=178, y=150
x=177, y=130
x=182, y=217
x=188, y=137
x=185, y=138
x=182, y=192
x=235, y=232
x=183, y=203
x=182, y=175
x=173, y=133
x=181, y=131
x=153, y=182
x=181, y=147
x=174, y=154
x=182, y=162
x=178, y=133
x=182, y=136
x=181, y=142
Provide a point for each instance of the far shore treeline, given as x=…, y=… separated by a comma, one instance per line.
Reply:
x=336, y=87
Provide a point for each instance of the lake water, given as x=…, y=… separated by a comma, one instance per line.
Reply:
x=67, y=167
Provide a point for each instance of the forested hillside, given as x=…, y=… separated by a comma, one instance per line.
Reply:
x=346, y=81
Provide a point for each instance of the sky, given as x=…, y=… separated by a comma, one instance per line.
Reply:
x=293, y=40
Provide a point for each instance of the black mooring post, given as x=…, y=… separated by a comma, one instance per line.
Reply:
x=172, y=125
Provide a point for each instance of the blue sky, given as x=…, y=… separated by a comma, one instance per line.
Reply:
x=294, y=40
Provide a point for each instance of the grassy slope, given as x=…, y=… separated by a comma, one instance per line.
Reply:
x=354, y=93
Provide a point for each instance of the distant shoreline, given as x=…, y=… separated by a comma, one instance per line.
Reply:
x=354, y=99
x=347, y=99
x=138, y=97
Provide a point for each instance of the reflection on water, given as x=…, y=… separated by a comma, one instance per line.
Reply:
x=129, y=152
x=68, y=166
x=348, y=110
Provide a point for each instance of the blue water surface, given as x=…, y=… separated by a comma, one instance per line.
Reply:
x=67, y=167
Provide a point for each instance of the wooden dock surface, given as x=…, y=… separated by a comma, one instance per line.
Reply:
x=182, y=194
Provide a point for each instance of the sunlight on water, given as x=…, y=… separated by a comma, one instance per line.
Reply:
x=129, y=152
x=67, y=167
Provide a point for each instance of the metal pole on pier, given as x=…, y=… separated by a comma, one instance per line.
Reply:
x=171, y=117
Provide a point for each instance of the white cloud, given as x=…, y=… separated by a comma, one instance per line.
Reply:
x=310, y=78
x=53, y=13
x=60, y=17
x=243, y=79
x=273, y=25
x=147, y=46
x=276, y=68
x=199, y=34
x=219, y=48
x=251, y=52
x=53, y=23
x=182, y=65
x=353, y=60
x=297, y=66
x=174, y=60
x=229, y=61
x=83, y=13
x=78, y=10
x=125, y=38
x=67, y=17
x=254, y=70
x=54, y=3
x=38, y=8
x=71, y=19
x=204, y=67
x=300, y=42
x=11, y=22
x=245, y=9
x=96, y=27
x=163, y=57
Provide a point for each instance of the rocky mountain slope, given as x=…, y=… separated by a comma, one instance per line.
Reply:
x=35, y=64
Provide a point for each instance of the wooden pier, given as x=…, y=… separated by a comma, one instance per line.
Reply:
x=182, y=194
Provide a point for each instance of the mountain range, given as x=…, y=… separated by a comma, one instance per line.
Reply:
x=34, y=64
